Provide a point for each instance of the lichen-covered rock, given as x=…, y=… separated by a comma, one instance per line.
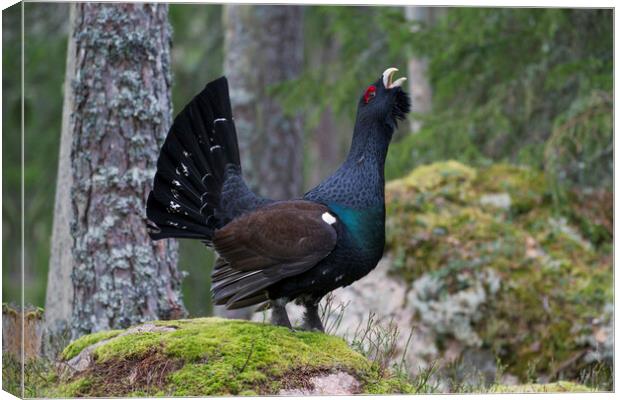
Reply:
x=212, y=356
x=491, y=264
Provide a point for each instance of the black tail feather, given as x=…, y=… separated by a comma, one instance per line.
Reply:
x=192, y=165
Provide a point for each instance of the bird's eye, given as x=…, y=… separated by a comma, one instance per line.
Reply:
x=370, y=93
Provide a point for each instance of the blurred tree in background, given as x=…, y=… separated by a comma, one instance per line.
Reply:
x=528, y=86
x=45, y=38
x=11, y=161
x=263, y=46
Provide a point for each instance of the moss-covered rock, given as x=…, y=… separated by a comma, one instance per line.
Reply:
x=76, y=347
x=211, y=356
x=493, y=265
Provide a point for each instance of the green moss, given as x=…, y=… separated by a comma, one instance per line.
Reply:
x=526, y=187
x=551, y=280
x=80, y=344
x=76, y=388
x=432, y=176
x=555, y=387
x=378, y=385
x=218, y=357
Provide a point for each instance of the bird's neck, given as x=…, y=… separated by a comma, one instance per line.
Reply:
x=369, y=145
x=359, y=183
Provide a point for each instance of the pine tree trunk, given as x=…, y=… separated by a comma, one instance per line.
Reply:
x=120, y=115
x=264, y=46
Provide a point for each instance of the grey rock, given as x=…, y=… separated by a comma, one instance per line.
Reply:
x=339, y=383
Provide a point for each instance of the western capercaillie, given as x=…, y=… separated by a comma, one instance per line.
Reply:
x=272, y=252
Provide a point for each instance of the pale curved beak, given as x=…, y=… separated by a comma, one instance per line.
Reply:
x=387, y=79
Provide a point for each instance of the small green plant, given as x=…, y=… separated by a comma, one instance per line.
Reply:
x=38, y=376
x=331, y=313
x=379, y=343
x=598, y=376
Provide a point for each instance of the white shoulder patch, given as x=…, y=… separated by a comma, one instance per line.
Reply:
x=327, y=217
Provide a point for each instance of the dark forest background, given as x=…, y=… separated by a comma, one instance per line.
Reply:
x=528, y=86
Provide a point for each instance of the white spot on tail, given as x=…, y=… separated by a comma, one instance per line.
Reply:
x=219, y=120
x=214, y=147
x=339, y=277
x=327, y=217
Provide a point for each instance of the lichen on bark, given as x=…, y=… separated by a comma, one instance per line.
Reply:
x=120, y=116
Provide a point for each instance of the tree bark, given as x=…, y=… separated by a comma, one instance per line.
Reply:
x=120, y=115
x=417, y=71
x=59, y=294
x=327, y=148
x=264, y=46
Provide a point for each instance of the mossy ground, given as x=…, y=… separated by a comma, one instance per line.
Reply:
x=211, y=356
x=452, y=222
x=555, y=387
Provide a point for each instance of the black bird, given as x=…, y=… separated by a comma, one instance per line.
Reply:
x=272, y=252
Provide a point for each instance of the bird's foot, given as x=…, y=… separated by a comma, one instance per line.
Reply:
x=312, y=324
x=312, y=320
x=308, y=328
x=279, y=316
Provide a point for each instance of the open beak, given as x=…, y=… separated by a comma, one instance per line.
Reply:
x=387, y=79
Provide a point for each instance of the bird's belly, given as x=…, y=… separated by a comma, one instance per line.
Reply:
x=341, y=268
x=348, y=265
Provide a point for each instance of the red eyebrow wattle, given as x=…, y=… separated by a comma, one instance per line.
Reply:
x=371, y=89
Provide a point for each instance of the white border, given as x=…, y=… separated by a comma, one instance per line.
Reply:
x=454, y=3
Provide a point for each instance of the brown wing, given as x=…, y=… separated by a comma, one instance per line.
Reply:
x=274, y=242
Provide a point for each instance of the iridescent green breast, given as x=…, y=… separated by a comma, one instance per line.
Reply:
x=364, y=227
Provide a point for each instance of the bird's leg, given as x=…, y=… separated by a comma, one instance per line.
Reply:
x=312, y=321
x=278, y=313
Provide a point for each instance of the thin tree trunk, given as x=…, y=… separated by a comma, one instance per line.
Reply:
x=59, y=294
x=264, y=46
x=417, y=71
x=120, y=115
x=327, y=148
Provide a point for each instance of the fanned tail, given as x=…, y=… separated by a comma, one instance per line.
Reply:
x=199, y=152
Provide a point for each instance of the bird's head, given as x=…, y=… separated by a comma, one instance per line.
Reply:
x=385, y=100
